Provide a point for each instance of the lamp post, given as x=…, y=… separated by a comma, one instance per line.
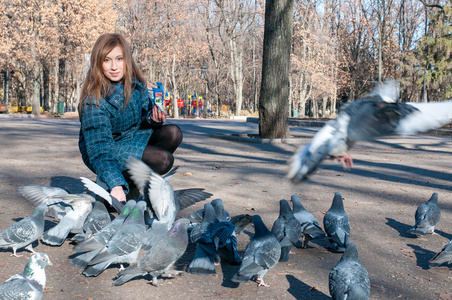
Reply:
x=431, y=67
x=201, y=71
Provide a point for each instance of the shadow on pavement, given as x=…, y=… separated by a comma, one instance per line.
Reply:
x=301, y=291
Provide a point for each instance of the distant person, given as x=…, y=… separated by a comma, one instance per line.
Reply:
x=119, y=118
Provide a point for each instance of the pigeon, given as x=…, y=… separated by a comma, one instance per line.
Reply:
x=309, y=226
x=161, y=257
x=28, y=285
x=103, y=193
x=444, y=257
x=90, y=247
x=24, y=232
x=336, y=224
x=209, y=236
x=163, y=203
x=41, y=194
x=123, y=246
x=427, y=216
x=220, y=212
x=73, y=221
x=349, y=279
x=261, y=254
x=286, y=229
x=378, y=114
x=98, y=218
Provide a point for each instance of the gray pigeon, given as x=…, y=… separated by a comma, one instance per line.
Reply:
x=349, y=280
x=286, y=229
x=28, y=285
x=309, y=226
x=261, y=254
x=378, y=114
x=444, y=257
x=161, y=257
x=221, y=213
x=210, y=236
x=163, y=203
x=124, y=245
x=90, y=247
x=73, y=221
x=24, y=232
x=41, y=194
x=337, y=225
x=98, y=218
x=427, y=216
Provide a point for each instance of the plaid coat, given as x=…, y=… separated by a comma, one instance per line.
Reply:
x=109, y=134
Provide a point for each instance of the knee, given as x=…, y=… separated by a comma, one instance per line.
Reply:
x=174, y=133
x=165, y=164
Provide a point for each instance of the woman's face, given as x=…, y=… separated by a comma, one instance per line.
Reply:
x=113, y=65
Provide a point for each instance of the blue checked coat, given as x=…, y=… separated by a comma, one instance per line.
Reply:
x=109, y=134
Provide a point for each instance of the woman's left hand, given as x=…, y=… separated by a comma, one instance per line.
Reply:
x=158, y=116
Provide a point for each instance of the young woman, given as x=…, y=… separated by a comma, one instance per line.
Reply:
x=120, y=119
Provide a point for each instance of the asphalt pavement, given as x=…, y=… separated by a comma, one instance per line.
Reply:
x=390, y=178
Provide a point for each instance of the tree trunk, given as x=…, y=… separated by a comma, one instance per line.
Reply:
x=175, y=90
x=274, y=95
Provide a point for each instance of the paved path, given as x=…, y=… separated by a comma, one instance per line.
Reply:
x=391, y=177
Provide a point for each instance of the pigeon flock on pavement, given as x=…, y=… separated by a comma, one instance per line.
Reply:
x=144, y=237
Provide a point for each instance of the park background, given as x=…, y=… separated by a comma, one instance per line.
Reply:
x=213, y=49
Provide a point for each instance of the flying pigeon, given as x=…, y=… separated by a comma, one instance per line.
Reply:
x=261, y=254
x=211, y=235
x=24, y=232
x=337, y=225
x=161, y=257
x=41, y=194
x=309, y=226
x=349, y=279
x=163, y=203
x=286, y=229
x=444, y=257
x=90, y=247
x=30, y=283
x=123, y=246
x=98, y=218
x=378, y=114
x=73, y=221
x=427, y=216
x=101, y=192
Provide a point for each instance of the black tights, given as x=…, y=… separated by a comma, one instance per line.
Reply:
x=158, y=153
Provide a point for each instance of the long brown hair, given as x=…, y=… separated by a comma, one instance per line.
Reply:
x=98, y=86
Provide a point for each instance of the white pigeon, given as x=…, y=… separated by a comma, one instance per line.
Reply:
x=378, y=114
x=163, y=202
x=24, y=232
x=28, y=285
x=73, y=221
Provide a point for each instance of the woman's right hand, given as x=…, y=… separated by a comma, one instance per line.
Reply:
x=118, y=193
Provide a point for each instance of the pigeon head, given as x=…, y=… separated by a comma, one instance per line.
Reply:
x=259, y=227
x=34, y=269
x=218, y=206
x=337, y=202
x=434, y=198
x=296, y=203
x=351, y=253
x=209, y=214
x=284, y=209
x=179, y=226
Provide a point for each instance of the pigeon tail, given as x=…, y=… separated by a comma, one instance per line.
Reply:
x=56, y=235
x=203, y=263
x=97, y=269
x=83, y=260
x=285, y=253
x=127, y=277
x=418, y=231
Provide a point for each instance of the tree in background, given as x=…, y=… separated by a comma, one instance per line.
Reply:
x=274, y=94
